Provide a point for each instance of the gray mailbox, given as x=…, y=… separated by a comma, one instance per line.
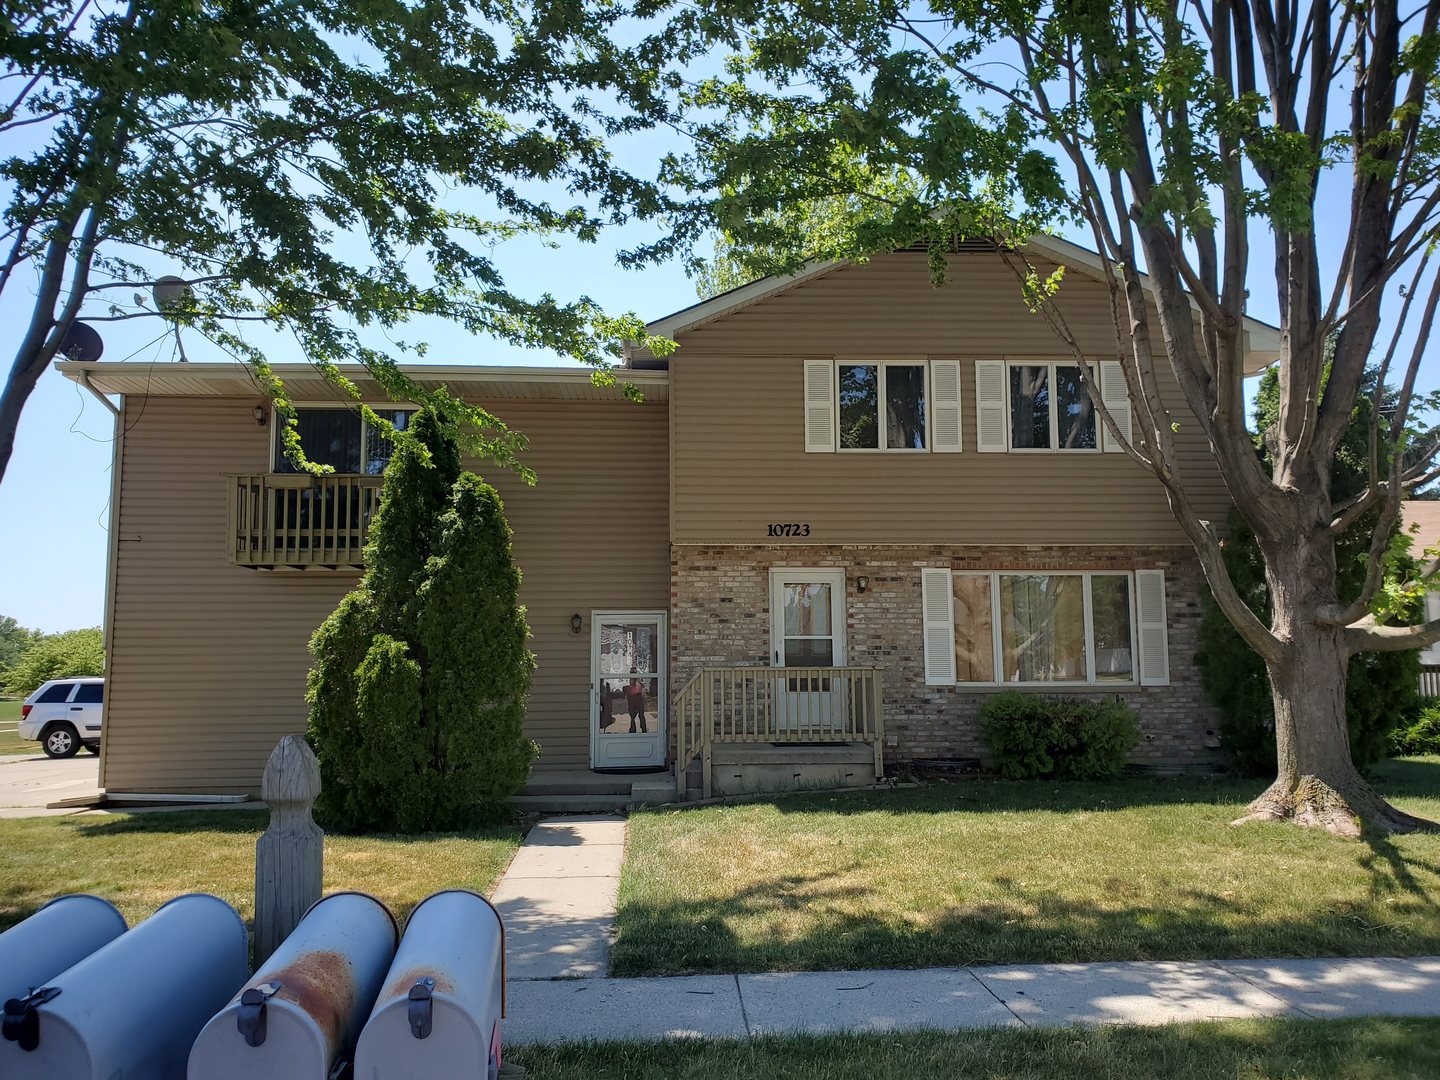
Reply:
x=132, y=1009
x=439, y=1012
x=59, y=935
x=298, y=1016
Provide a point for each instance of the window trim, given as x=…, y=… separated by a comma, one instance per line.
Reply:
x=997, y=645
x=1051, y=383
x=388, y=406
x=870, y=361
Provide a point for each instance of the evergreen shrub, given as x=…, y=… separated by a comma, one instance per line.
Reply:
x=1034, y=736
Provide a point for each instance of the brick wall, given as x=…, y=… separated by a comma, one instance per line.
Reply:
x=720, y=615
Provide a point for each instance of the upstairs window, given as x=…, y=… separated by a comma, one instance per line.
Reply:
x=1050, y=409
x=882, y=406
x=1021, y=406
x=341, y=439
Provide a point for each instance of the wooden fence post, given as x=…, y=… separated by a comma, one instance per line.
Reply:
x=289, y=856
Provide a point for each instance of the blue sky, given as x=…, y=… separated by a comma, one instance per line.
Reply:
x=54, y=498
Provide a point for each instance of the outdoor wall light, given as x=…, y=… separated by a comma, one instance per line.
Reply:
x=259, y=413
x=862, y=583
x=576, y=622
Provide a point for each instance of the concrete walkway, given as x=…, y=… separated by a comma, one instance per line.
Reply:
x=558, y=898
x=1045, y=995
x=29, y=781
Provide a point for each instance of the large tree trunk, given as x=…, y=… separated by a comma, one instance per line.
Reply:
x=1316, y=783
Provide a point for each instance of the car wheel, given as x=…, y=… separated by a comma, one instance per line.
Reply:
x=60, y=741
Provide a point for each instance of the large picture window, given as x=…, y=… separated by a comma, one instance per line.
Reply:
x=1049, y=408
x=341, y=439
x=882, y=406
x=1039, y=628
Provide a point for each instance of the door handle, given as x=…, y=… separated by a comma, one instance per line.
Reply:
x=77, y=708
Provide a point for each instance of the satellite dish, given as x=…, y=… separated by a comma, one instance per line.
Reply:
x=81, y=342
x=169, y=291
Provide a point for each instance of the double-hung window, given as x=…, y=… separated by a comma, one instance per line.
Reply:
x=876, y=406
x=882, y=406
x=1050, y=409
x=341, y=439
x=1039, y=628
x=1030, y=405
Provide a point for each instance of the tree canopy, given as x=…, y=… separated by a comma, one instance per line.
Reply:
x=317, y=174
x=1191, y=145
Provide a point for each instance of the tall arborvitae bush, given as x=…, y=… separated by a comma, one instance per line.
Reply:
x=1381, y=688
x=420, y=677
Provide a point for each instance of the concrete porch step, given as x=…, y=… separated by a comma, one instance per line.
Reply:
x=570, y=804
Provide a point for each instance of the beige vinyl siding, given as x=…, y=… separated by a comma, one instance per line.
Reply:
x=208, y=660
x=738, y=423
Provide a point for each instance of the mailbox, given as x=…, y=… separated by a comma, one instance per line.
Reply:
x=131, y=1009
x=439, y=1012
x=59, y=935
x=298, y=1016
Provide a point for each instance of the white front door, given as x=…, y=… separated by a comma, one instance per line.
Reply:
x=627, y=690
x=807, y=629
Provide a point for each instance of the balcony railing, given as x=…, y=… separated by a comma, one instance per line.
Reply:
x=775, y=705
x=301, y=521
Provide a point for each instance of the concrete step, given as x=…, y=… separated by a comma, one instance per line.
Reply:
x=792, y=753
x=570, y=804
x=597, y=784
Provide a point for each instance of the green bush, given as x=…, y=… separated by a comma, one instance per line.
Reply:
x=1421, y=735
x=1032, y=736
x=417, y=693
x=57, y=656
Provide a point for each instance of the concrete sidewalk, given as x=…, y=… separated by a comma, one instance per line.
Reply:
x=29, y=781
x=1044, y=995
x=558, y=898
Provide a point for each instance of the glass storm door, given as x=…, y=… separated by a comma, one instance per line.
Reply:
x=627, y=690
x=807, y=630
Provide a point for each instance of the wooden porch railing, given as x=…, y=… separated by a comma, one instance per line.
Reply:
x=299, y=520
x=1430, y=682
x=775, y=705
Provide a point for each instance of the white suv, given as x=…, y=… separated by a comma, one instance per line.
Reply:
x=64, y=715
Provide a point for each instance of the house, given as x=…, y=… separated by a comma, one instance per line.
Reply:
x=851, y=506
x=1421, y=519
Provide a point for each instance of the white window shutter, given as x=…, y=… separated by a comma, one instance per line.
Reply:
x=945, y=406
x=1117, y=401
x=819, y=407
x=938, y=623
x=1430, y=655
x=1151, y=632
x=990, y=418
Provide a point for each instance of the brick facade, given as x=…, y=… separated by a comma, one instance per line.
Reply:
x=720, y=615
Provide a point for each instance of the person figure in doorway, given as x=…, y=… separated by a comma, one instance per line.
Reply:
x=635, y=698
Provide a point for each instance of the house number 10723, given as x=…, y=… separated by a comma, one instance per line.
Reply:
x=791, y=529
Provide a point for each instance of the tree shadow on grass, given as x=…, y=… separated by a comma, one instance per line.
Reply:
x=752, y=929
x=176, y=821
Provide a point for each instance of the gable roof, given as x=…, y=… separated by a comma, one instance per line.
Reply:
x=1262, y=346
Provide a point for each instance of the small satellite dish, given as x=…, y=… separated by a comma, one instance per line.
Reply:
x=81, y=342
x=169, y=291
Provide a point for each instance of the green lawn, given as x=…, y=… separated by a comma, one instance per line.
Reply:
x=10, y=743
x=1371, y=1049
x=991, y=872
x=138, y=861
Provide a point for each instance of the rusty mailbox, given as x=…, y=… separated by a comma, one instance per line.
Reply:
x=131, y=1009
x=58, y=936
x=298, y=1017
x=439, y=1012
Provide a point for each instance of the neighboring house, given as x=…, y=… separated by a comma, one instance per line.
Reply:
x=1421, y=519
x=851, y=507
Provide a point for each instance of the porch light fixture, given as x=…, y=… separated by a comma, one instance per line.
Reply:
x=862, y=583
x=259, y=413
x=576, y=622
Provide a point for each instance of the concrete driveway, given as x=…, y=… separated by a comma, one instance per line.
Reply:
x=28, y=782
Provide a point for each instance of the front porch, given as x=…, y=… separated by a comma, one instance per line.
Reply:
x=754, y=730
